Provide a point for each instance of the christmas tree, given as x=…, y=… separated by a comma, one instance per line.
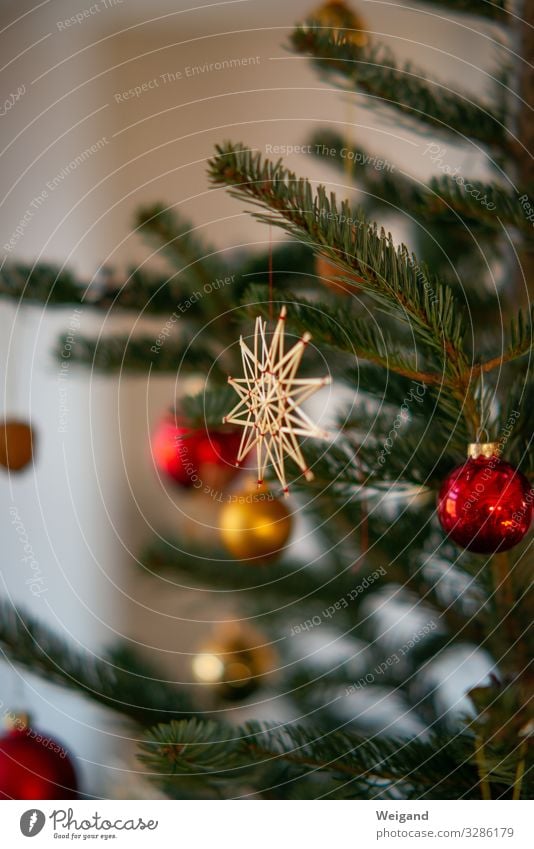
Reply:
x=428, y=350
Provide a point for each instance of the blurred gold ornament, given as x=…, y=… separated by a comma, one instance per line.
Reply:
x=254, y=525
x=16, y=444
x=343, y=20
x=330, y=274
x=17, y=720
x=236, y=661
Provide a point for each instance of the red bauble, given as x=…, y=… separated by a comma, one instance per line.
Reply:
x=34, y=766
x=199, y=458
x=485, y=505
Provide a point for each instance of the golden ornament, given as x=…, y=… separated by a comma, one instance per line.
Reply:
x=342, y=20
x=236, y=661
x=16, y=444
x=254, y=525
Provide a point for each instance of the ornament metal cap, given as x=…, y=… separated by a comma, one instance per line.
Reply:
x=482, y=449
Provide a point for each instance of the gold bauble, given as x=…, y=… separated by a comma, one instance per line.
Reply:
x=16, y=444
x=235, y=662
x=330, y=275
x=342, y=20
x=254, y=525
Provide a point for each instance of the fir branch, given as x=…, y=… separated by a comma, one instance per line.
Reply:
x=397, y=395
x=177, y=238
x=412, y=463
x=136, y=354
x=521, y=158
x=288, y=583
x=483, y=207
x=391, y=275
x=373, y=71
x=521, y=336
x=43, y=283
x=333, y=327
x=422, y=456
x=148, y=293
x=292, y=262
x=209, y=407
x=193, y=747
x=472, y=234
x=463, y=257
x=431, y=769
x=140, y=291
x=118, y=680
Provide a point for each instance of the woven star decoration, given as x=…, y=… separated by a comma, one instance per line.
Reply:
x=270, y=396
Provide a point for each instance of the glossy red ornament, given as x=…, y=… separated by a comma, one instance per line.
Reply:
x=34, y=766
x=196, y=458
x=485, y=505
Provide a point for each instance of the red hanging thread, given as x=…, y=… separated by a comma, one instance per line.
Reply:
x=270, y=272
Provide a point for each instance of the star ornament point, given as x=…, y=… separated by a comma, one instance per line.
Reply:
x=270, y=395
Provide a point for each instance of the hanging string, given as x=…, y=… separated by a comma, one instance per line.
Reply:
x=271, y=272
x=482, y=428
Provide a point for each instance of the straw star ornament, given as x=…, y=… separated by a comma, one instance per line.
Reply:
x=270, y=397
